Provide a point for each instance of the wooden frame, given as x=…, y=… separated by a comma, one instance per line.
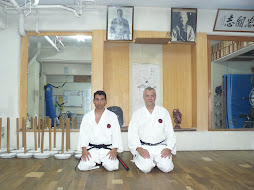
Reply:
x=209, y=50
x=183, y=24
x=120, y=23
x=24, y=66
x=234, y=20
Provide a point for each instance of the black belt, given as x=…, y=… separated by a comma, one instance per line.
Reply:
x=151, y=144
x=105, y=146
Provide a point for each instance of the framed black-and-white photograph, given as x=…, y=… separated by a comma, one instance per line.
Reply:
x=234, y=20
x=183, y=24
x=120, y=23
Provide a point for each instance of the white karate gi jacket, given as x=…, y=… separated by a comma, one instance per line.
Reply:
x=151, y=128
x=107, y=131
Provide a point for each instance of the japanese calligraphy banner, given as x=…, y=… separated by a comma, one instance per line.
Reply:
x=234, y=20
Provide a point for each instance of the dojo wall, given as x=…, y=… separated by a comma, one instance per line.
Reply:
x=146, y=19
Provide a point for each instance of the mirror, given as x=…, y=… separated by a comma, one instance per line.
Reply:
x=59, y=77
x=232, y=84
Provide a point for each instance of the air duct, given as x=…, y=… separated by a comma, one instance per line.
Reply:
x=21, y=17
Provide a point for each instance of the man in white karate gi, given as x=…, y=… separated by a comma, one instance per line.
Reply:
x=100, y=132
x=151, y=137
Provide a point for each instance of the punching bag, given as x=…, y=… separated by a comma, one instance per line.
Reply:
x=50, y=110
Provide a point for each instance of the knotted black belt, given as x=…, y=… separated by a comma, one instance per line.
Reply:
x=105, y=146
x=151, y=144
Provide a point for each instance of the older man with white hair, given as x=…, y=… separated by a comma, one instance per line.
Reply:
x=151, y=136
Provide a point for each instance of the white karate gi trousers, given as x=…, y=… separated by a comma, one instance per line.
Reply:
x=146, y=165
x=99, y=156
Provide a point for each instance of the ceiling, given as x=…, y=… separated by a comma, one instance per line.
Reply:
x=200, y=4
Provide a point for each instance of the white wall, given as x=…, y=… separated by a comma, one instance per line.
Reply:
x=186, y=141
x=152, y=19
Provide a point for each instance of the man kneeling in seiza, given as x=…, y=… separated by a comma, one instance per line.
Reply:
x=100, y=137
x=151, y=136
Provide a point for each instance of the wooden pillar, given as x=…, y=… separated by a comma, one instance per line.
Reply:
x=54, y=132
x=23, y=77
x=42, y=134
x=202, y=82
x=35, y=133
x=39, y=132
x=49, y=126
x=67, y=134
x=0, y=132
x=8, y=135
x=98, y=38
x=62, y=127
x=17, y=132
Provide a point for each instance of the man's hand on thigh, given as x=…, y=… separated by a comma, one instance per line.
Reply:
x=112, y=154
x=143, y=152
x=166, y=153
x=85, y=155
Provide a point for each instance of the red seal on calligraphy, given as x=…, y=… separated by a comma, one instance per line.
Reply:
x=160, y=120
x=108, y=126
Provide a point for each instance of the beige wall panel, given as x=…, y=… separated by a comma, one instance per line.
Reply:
x=116, y=76
x=98, y=38
x=151, y=34
x=177, y=80
x=202, y=82
x=23, y=78
x=194, y=85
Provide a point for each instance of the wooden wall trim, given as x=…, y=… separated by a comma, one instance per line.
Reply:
x=194, y=85
x=58, y=33
x=23, y=78
x=24, y=62
x=202, y=82
x=230, y=38
x=209, y=60
x=98, y=38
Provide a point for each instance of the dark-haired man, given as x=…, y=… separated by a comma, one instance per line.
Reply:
x=100, y=136
x=151, y=136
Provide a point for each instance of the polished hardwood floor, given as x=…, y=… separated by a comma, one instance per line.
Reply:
x=225, y=170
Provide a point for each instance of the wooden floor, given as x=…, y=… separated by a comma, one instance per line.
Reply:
x=193, y=170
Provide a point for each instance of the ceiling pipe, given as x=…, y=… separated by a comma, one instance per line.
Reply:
x=5, y=3
x=52, y=43
x=48, y=7
x=37, y=22
x=36, y=2
x=22, y=31
x=58, y=7
x=60, y=41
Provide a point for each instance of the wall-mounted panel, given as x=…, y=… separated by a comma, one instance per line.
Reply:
x=177, y=80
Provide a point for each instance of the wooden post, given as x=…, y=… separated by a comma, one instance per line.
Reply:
x=42, y=134
x=49, y=126
x=17, y=131
x=62, y=126
x=67, y=134
x=24, y=135
x=8, y=135
x=0, y=132
x=35, y=133
x=39, y=132
x=54, y=132
x=32, y=123
x=22, y=124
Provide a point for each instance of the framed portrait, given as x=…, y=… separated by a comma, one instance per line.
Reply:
x=183, y=24
x=120, y=23
x=234, y=20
